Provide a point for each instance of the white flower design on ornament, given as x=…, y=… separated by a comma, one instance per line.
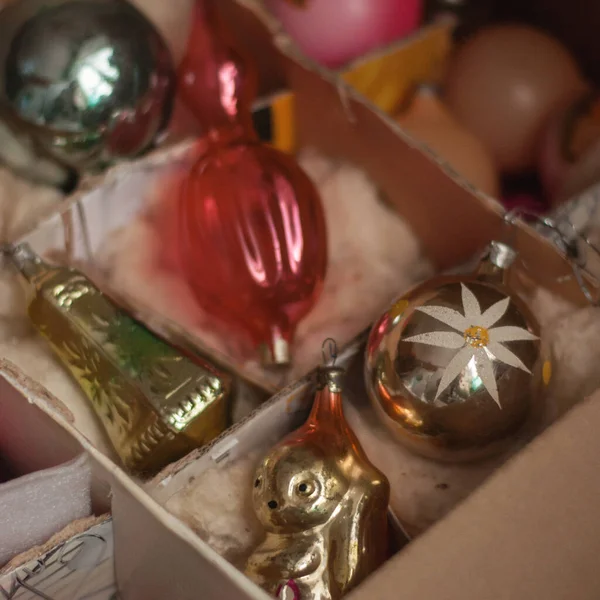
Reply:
x=477, y=341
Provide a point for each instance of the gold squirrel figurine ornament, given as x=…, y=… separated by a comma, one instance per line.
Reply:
x=322, y=503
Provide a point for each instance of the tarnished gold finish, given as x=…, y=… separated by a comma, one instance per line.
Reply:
x=454, y=368
x=323, y=506
x=155, y=403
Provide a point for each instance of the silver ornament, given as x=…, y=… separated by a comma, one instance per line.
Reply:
x=454, y=367
x=89, y=81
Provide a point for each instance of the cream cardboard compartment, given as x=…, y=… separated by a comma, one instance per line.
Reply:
x=47, y=478
x=61, y=543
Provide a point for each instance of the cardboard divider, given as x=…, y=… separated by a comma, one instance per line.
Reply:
x=530, y=532
x=42, y=570
x=210, y=489
x=426, y=192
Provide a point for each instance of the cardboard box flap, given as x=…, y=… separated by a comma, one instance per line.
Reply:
x=530, y=532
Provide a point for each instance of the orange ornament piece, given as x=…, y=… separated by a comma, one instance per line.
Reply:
x=429, y=121
x=252, y=234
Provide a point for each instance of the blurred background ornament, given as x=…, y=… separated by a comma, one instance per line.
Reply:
x=252, y=236
x=569, y=135
x=334, y=33
x=504, y=84
x=89, y=81
x=453, y=368
x=429, y=121
x=322, y=503
x=524, y=200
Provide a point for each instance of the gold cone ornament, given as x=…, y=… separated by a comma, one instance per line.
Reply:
x=453, y=368
x=323, y=506
x=155, y=403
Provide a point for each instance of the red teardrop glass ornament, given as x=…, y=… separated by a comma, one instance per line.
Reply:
x=252, y=235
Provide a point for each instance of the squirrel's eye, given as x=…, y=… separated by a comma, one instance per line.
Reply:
x=305, y=488
x=257, y=482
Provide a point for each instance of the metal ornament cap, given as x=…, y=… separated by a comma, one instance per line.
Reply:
x=89, y=81
x=454, y=368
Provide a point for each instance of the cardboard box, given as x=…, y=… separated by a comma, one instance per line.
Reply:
x=157, y=556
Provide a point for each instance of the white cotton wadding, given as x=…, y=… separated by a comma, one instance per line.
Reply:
x=574, y=344
x=216, y=505
x=373, y=257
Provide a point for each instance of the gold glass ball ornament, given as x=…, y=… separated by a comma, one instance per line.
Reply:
x=88, y=81
x=454, y=368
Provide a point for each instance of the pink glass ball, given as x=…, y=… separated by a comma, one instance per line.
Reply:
x=334, y=33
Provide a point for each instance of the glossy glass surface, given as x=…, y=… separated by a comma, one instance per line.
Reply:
x=91, y=81
x=253, y=240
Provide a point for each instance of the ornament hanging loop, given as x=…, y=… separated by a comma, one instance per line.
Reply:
x=329, y=352
x=567, y=242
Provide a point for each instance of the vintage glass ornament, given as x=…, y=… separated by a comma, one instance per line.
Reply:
x=429, y=121
x=252, y=237
x=323, y=506
x=454, y=368
x=88, y=81
x=155, y=402
x=334, y=33
x=504, y=83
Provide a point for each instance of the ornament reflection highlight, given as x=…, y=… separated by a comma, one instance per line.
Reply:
x=89, y=82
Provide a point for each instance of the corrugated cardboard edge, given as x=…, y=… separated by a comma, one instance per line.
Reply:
x=22, y=382
x=71, y=530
